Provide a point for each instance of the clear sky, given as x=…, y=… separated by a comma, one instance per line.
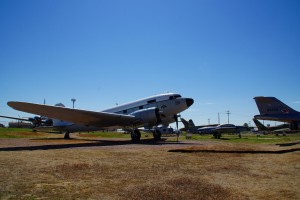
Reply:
x=221, y=53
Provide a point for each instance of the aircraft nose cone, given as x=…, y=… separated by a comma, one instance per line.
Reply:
x=189, y=102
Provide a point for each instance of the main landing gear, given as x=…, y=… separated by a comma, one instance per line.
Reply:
x=156, y=135
x=135, y=135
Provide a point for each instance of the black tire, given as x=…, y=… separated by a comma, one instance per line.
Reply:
x=135, y=135
x=67, y=135
x=217, y=135
x=157, y=135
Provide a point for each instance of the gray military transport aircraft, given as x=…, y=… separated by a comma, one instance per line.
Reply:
x=270, y=108
x=149, y=112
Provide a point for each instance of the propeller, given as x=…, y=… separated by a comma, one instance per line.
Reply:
x=40, y=121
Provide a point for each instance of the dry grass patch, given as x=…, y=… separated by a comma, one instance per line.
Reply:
x=182, y=187
x=145, y=171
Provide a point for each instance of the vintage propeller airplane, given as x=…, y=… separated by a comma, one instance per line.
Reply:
x=149, y=112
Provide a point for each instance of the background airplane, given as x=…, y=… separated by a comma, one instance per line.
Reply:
x=270, y=108
x=149, y=112
x=215, y=129
x=222, y=128
x=190, y=127
x=262, y=127
x=36, y=120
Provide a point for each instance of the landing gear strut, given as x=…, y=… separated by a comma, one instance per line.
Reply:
x=217, y=135
x=135, y=135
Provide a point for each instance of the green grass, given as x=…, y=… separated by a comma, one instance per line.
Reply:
x=11, y=130
x=16, y=133
x=247, y=137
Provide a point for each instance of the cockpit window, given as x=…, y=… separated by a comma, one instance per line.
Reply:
x=177, y=96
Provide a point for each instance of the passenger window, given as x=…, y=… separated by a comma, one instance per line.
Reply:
x=152, y=101
x=124, y=111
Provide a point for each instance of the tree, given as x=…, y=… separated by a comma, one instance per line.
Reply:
x=246, y=125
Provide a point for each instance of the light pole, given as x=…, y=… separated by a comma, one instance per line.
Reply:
x=228, y=113
x=73, y=100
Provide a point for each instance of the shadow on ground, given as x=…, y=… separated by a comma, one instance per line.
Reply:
x=235, y=151
x=79, y=143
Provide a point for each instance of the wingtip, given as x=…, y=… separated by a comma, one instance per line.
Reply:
x=12, y=103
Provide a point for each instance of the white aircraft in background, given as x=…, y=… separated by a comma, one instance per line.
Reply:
x=148, y=112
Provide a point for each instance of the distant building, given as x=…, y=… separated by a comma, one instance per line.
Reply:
x=2, y=126
x=19, y=125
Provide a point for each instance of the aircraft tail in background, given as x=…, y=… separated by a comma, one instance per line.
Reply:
x=262, y=127
x=271, y=105
x=191, y=124
x=185, y=123
x=188, y=125
x=270, y=108
x=259, y=125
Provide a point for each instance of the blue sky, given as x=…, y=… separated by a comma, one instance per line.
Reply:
x=220, y=53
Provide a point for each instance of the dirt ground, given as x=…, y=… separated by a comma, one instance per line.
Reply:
x=93, y=168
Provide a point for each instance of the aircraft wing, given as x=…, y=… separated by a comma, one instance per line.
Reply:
x=21, y=119
x=77, y=116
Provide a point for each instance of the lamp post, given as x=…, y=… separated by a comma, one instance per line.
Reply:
x=228, y=113
x=73, y=100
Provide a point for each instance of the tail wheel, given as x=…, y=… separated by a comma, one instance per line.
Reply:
x=67, y=135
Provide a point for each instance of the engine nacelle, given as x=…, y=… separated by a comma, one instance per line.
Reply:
x=147, y=117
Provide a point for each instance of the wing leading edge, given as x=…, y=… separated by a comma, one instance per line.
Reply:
x=84, y=117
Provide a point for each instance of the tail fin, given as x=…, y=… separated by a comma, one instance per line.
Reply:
x=271, y=105
x=188, y=124
x=259, y=125
x=191, y=124
x=185, y=123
